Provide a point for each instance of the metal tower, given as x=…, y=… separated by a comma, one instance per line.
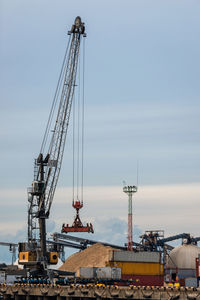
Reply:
x=129, y=190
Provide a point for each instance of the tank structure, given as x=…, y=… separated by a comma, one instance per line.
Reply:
x=181, y=263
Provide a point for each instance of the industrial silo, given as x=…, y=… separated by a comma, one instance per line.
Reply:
x=181, y=262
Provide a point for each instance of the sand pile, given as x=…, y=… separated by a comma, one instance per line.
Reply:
x=96, y=255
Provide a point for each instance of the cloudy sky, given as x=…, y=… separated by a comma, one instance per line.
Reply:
x=142, y=105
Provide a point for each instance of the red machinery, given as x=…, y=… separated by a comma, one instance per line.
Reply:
x=77, y=225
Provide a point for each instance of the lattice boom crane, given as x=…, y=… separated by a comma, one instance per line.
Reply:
x=47, y=167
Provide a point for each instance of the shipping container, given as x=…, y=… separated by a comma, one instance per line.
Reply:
x=186, y=273
x=108, y=273
x=100, y=273
x=139, y=268
x=143, y=256
x=88, y=273
x=145, y=280
x=116, y=273
x=104, y=272
x=191, y=282
x=182, y=273
x=11, y=279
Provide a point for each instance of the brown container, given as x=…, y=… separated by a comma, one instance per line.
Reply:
x=145, y=280
x=133, y=268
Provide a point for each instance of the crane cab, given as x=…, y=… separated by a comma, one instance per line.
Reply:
x=38, y=187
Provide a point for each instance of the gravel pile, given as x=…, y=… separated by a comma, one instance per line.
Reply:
x=96, y=255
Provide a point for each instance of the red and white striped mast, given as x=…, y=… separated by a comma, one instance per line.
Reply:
x=130, y=190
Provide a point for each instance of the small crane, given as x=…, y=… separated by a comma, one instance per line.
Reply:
x=35, y=253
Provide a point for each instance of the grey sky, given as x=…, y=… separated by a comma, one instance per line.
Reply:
x=141, y=90
x=142, y=87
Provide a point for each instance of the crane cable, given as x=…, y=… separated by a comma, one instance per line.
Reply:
x=78, y=137
x=55, y=99
x=73, y=151
x=83, y=122
x=78, y=131
x=74, y=140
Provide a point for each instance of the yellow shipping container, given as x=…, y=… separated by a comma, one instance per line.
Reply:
x=138, y=268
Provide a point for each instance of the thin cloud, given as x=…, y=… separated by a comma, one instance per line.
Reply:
x=173, y=208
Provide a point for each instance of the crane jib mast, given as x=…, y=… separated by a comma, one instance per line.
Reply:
x=47, y=167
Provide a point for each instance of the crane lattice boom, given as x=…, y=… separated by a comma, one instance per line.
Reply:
x=57, y=144
x=47, y=168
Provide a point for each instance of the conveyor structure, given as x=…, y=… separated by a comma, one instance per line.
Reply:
x=81, y=243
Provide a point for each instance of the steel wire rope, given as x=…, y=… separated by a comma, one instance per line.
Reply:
x=78, y=127
x=59, y=91
x=80, y=139
x=58, y=88
x=67, y=81
x=55, y=99
x=74, y=144
x=74, y=53
x=73, y=150
x=83, y=121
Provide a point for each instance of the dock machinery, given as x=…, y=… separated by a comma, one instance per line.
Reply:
x=36, y=254
x=154, y=240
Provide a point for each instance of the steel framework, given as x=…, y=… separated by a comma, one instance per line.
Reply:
x=47, y=168
x=130, y=190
